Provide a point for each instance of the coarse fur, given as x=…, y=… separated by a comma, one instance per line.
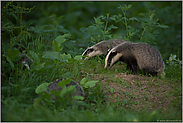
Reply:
x=25, y=60
x=101, y=48
x=139, y=55
x=54, y=87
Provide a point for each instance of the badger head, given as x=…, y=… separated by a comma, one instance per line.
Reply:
x=112, y=57
x=25, y=60
x=92, y=51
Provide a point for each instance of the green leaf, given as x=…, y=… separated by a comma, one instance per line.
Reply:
x=10, y=62
x=51, y=55
x=64, y=57
x=64, y=82
x=133, y=18
x=34, y=57
x=163, y=26
x=113, y=27
x=84, y=80
x=90, y=84
x=66, y=35
x=68, y=90
x=13, y=85
x=61, y=39
x=68, y=75
x=12, y=54
x=25, y=89
x=77, y=98
x=63, y=92
x=36, y=103
x=54, y=93
x=71, y=88
x=129, y=6
x=39, y=66
x=78, y=57
x=41, y=88
x=55, y=47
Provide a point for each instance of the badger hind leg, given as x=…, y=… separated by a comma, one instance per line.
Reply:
x=131, y=65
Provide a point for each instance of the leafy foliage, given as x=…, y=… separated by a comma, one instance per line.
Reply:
x=55, y=38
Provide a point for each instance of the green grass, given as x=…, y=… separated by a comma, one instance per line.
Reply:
x=119, y=95
x=139, y=98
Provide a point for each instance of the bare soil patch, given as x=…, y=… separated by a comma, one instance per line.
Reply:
x=136, y=91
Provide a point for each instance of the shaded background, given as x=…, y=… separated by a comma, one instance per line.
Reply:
x=75, y=15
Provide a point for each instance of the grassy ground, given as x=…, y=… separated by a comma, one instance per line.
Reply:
x=118, y=96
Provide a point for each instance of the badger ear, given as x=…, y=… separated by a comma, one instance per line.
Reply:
x=108, y=51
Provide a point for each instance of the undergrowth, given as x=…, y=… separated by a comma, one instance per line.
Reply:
x=57, y=55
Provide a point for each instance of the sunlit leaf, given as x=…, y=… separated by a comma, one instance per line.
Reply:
x=77, y=98
x=78, y=57
x=84, y=80
x=41, y=88
x=64, y=82
x=90, y=84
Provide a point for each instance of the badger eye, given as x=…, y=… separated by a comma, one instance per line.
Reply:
x=113, y=53
x=89, y=51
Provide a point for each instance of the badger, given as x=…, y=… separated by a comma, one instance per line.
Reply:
x=25, y=60
x=139, y=55
x=53, y=86
x=101, y=48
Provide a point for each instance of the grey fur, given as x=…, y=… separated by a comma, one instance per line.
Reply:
x=25, y=60
x=102, y=48
x=139, y=55
x=54, y=87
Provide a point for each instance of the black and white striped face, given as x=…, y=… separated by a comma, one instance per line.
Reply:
x=25, y=60
x=112, y=57
x=91, y=52
x=101, y=48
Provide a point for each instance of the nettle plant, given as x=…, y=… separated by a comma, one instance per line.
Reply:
x=149, y=25
x=59, y=59
x=98, y=31
x=101, y=29
x=174, y=66
x=64, y=97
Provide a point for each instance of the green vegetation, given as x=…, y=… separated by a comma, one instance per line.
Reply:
x=54, y=35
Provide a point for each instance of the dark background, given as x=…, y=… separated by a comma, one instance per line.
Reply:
x=76, y=15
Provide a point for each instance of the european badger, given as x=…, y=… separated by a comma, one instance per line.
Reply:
x=54, y=87
x=101, y=48
x=142, y=55
x=25, y=60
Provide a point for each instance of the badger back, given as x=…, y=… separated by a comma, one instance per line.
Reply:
x=148, y=58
